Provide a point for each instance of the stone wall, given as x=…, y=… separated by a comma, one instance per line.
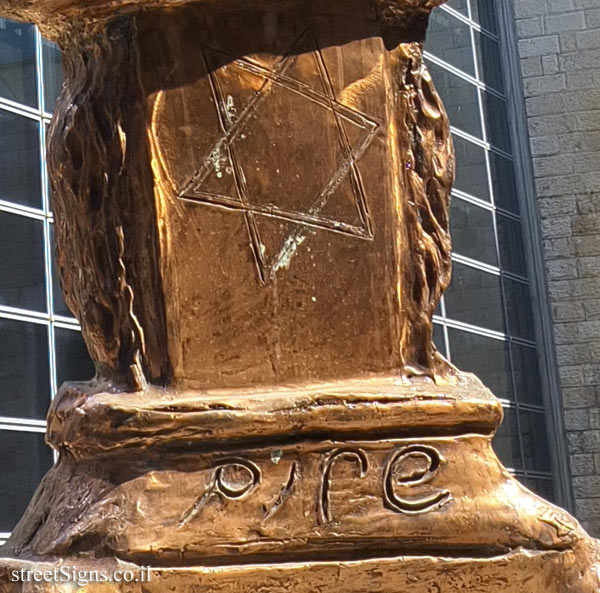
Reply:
x=559, y=47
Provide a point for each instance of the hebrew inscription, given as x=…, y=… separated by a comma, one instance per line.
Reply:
x=232, y=478
x=404, y=482
x=284, y=493
x=357, y=457
x=409, y=467
x=236, y=477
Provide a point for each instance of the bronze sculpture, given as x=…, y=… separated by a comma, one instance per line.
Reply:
x=252, y=227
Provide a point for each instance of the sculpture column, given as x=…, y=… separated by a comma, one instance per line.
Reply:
x=251, y=206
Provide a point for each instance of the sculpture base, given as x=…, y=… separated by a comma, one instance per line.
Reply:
x=517, y=572
x=310, y=485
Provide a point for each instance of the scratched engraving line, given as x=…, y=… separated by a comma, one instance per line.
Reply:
x=307, y=219
x=238, y=174
x=230, y=131
x=299, y=235
x=355, y=177
x=312, y=218
x=199, y=503
x=284, y=493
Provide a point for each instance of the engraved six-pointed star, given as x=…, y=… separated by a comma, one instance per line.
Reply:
x=269, y=181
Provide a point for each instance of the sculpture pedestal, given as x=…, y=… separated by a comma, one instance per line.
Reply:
x=251, y=213
x=328, y=486
x=517, y=572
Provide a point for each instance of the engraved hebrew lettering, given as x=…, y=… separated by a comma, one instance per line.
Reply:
x=407, y=468
x=357, y=456
x=251, y=207
x=233, y=478
x=198, y=504
x=284, y=493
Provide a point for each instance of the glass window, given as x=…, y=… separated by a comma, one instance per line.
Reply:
x=72, y=359
x=36, y=351
x=503, y=181
x=471, y=169
x=460, y=99
x=17, y=63
x=488, y=55
x=541, y=486
x=507, y=442
x=52, y=61
x=449, y=39
x=518, y=308
x=510, y=242
x=487, y=314
x=24, y=372
x=24, y=461
x=495, y=111
x=58, y=302
x=535, y=444
x=472, y=229
x=438, y=339
x=20, y=160
x=475, y=297
x=461, y=6
x=487, y=357
x=527, y=374
x=484, y=12
x=22, y=262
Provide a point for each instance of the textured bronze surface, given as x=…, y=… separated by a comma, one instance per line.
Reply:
x=254, y=201
x=251, y=208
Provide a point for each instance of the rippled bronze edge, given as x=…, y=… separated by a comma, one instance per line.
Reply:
x=89, y=421
x=517, y=572
x=50, y=13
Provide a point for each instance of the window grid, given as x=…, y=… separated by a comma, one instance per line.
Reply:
x=462, y=195
x=444, y=318
x=30, y=375
x=469, y=20
x=42, y=116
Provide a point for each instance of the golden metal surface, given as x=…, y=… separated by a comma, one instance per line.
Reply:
x=252, y=204
x=251, y=212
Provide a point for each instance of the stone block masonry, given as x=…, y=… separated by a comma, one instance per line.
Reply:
x=559, y=49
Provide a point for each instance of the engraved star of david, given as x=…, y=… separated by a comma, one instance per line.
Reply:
x=312, y=217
